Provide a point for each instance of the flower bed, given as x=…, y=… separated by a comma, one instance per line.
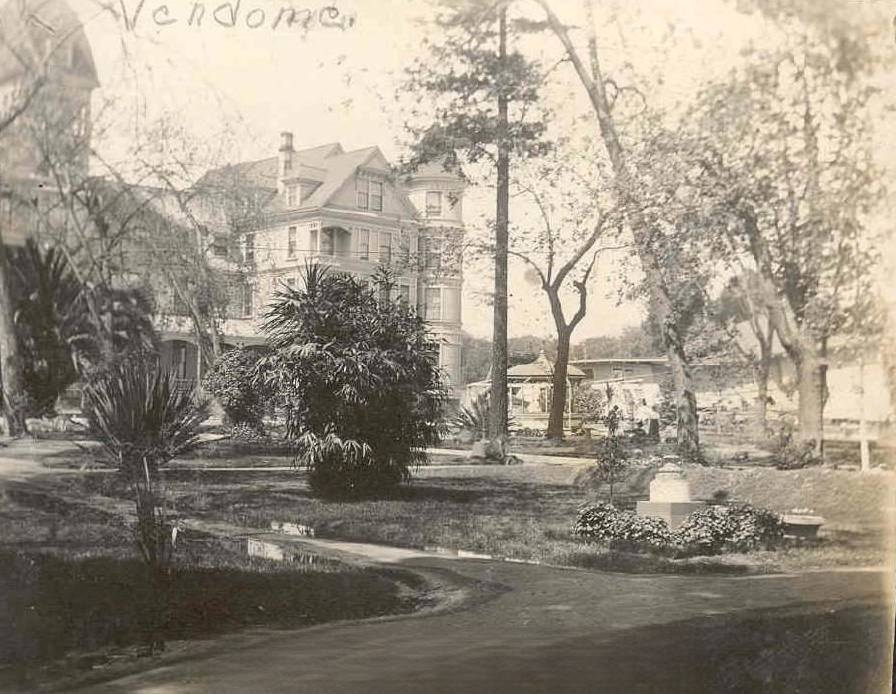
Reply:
x=710, y=530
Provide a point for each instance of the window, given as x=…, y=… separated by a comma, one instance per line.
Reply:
x=404, y=293
x=292, y=196
x=434, y=304
x=180, y=359
x=219, y=246
x=249, y=253
x=544, y=399
x=370, y=195
x=363, y=244
x=248, y=308
x=312, y=240
x=433, y=203
x=376, y=196
x=404, y=248
x=449, y=362
x=291, y=242
x=385, y=247
x=433, y=254
x=327, y=241
x=362, y=194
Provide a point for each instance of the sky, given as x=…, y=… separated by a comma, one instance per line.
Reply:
x=235, y=89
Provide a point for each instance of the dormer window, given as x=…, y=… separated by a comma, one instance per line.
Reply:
x=433, y=203
x=292, y=195
x=370, y=195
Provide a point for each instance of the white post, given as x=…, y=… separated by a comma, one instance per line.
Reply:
x=863, y=433
x=569, y=404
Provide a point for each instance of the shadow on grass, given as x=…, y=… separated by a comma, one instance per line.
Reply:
x=628, y=562
x=54, y=605
x=841, y=650
x=48, y=502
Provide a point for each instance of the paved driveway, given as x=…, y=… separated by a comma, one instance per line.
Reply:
x=541, y=630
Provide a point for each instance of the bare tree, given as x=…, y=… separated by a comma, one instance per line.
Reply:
x=561, y=248
x=588, y=70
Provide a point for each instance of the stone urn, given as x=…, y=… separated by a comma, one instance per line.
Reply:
x=670, y=495
x=802, y=526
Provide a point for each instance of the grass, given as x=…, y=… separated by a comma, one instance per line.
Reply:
x=73, y=592
x=526, y=511
x=835, y=651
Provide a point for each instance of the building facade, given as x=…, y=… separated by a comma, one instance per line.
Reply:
x=251, y=226
x=347, y=210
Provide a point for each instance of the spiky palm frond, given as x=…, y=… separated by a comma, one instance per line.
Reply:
x=141, y=416
x=473, y=417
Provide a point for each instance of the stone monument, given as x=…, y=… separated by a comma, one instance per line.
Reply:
x=670, y=495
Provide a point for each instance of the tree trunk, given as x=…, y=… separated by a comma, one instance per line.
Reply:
x=685, y=400
x=10, y=356
x=812, y=377
x=558, y=401
x=498, y=400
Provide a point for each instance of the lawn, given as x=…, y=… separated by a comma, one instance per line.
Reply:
x=73, y=592
x=843, y=650
x=526, y=511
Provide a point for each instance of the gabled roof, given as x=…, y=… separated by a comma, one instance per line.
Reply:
x=263, y=173
x=338, y=166
x=32, y=31
x=541, y=368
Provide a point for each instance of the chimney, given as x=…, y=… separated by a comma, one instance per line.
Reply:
x=285, y=158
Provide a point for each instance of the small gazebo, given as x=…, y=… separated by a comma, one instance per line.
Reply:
x=530, y=393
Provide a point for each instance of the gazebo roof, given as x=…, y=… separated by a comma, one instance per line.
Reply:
x=541, y=368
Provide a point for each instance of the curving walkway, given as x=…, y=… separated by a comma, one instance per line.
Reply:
x=521, y=629
x=536, y=629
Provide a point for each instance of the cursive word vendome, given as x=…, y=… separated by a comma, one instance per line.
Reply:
x=233, y=14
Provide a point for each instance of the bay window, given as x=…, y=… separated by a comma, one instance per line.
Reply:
x=434, y=303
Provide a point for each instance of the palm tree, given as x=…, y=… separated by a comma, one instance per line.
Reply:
x=143, y=420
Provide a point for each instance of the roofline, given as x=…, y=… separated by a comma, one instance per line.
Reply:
x=621, y=360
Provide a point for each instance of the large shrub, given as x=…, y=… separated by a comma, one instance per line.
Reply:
x=605, y=524
x=735, y=528
x=231, y=382
x=358, y=379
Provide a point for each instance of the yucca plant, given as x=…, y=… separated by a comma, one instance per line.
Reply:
x=143, y=421
x=474, y=417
